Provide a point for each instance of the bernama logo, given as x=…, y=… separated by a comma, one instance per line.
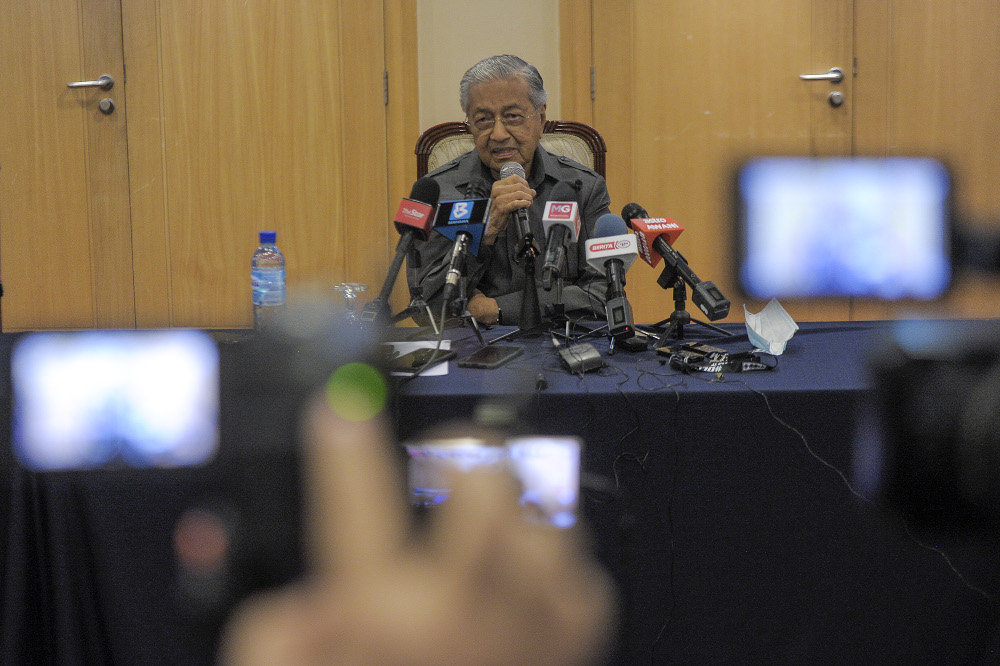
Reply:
x=612, y=245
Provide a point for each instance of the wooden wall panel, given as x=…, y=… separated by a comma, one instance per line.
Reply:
x=402, y=121
x=575, y=51
x=147, y=182
x=695, y=87
x=364, y=221
x=923, y=88
x=615, y=59
x=262, y=115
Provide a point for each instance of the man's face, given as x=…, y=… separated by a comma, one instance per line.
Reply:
x=497, y=143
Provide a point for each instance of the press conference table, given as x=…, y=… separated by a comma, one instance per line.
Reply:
x=717, y=504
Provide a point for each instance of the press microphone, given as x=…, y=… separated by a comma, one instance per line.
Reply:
x=612, y=251
x=463, y=221
x=520, y=214
x=561, y=222
x=659, y=233
x=413, y=222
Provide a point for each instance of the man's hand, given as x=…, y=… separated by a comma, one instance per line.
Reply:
x=508, y=195
x=484, y=586
x=484, y=309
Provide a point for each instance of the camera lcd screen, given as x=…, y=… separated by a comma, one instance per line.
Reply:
x=92, y=399
x=547, y=467
x=844, y=227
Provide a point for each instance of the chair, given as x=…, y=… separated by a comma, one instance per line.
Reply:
x=443, y=143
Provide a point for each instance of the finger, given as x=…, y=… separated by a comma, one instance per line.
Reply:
x=469, y=529
x=271, y=628
x=543, y=588
x=355, y=503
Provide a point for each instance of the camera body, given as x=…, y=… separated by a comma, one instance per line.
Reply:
x=885, y=229
x=235, y=510
x=929, y=444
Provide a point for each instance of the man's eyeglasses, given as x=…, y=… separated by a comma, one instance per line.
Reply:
x=510, y=119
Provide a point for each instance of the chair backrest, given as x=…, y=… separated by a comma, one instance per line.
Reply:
x=443, y=143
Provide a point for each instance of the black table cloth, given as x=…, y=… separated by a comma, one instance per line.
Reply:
x=721, y=505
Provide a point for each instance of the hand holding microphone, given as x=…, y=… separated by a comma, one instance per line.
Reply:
x=511, y=199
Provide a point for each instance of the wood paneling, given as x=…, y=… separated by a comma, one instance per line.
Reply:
x=402, y=120
x=575, y=49
x=614, y=61
x=261, y=115
x=924, y=87
x=147, y=181
x=689, y=88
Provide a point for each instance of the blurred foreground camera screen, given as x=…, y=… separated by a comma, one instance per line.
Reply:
x=875, y=228
x=93, y=399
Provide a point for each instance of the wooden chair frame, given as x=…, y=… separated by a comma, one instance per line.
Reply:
x=430, y=138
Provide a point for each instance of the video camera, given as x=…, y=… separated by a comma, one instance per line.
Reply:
x=885, y=229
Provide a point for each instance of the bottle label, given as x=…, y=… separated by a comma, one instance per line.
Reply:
x=268, y=285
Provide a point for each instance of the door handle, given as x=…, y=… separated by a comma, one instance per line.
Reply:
x=105, y=82
x=835, y=75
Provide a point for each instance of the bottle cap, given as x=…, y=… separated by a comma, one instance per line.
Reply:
x=268, y=236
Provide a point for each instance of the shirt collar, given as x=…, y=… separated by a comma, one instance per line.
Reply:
x=543, y=162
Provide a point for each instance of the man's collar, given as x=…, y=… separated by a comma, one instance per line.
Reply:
x=471, y=167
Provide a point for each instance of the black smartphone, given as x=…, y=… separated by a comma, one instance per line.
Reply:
x=490, y=356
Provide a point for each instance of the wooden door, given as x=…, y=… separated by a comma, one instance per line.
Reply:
x=65, y=243
x=924, y=86
x=686, y=88
x=242, y=116
x=249, y=116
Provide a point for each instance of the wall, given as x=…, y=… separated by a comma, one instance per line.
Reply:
x=452, y=35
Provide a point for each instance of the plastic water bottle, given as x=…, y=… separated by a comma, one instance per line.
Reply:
x=267, y=280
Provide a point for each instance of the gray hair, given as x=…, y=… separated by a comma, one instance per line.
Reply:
x=500, y=67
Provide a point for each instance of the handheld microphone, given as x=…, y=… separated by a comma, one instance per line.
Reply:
x=612, y=251
x=561, y=222
x=521, y=214
x=659, y=233
x=412, y=221
x=463, y=221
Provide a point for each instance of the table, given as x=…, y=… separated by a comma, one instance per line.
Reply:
x=722, y=507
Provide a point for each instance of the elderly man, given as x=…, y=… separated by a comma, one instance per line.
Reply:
x=504, y=103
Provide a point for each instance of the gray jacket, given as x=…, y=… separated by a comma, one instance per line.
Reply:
x=494, y=271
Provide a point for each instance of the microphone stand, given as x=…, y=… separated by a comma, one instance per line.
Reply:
x=680, y=317
x=557, y=311
x=461, y=305
x=531, y=313
x=417, y=302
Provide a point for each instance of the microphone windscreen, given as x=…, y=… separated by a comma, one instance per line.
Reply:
x=478, y=189
x=511, y=169
x=609, y=224
x=633, y=211
x=426, y=190
x=562, y=191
